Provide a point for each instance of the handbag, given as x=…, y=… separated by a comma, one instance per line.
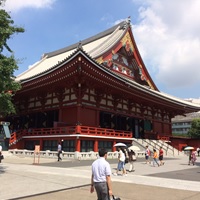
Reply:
x=121, y=159
x=134, y=158
x=126, y=160
x=115, y=198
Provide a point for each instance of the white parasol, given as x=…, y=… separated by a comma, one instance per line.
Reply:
x=134, y=148
x=188, y=148
x=119, y=144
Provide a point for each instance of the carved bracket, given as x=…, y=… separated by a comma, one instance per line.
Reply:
x=42, y=98
x=60, y=94
x=115, y=101
x=98, y=97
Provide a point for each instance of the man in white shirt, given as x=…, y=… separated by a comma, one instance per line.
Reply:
x=101, y=177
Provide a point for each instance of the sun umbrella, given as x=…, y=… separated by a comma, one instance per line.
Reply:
x=119, y=144
x=134, y=148
x=188, y=148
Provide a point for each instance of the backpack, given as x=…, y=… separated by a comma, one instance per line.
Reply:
x=149, y=152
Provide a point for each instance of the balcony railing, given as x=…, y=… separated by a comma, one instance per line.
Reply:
x=69, y=130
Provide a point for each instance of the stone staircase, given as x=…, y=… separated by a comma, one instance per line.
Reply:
x=169, y=150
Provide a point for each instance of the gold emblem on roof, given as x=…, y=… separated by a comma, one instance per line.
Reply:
x=127, y=42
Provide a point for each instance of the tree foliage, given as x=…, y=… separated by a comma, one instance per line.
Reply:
x=194, y=131
x=8, y=64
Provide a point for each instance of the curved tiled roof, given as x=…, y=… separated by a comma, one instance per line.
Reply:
x=94, y=46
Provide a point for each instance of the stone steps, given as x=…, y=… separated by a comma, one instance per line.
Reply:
x=156, y=144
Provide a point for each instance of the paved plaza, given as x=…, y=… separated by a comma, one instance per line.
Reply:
x=70, y=180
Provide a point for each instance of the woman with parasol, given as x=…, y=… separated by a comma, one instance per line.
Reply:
x=192, y=156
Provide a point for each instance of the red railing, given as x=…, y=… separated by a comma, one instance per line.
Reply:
x=164, y=138
x=85, y=130
x=103, y=132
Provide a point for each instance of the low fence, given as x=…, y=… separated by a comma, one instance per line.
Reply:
x=67, y=155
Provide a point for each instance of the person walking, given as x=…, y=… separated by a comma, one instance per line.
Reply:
x=132, y=159
x=198, y=151
x=0, y=152
x=59, y=151
x=190, y=157
x=121, y=162
x=125, y=151
x=155, y=157
x=161, y=156
x=193, y=158
x=101, y=177
x=147, y=155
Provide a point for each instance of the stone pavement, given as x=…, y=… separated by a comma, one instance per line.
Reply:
x=70, y=180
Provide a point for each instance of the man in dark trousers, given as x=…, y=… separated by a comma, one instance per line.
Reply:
x=59, y=151
x=161, y=153
x=101, y=177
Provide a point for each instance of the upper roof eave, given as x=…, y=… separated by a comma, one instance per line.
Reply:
x=86, y=41
x=102, y=40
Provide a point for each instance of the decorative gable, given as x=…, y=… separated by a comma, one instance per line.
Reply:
x=124, y=60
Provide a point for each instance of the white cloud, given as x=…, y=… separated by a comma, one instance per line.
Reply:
x=16, y=5
x=168, y=37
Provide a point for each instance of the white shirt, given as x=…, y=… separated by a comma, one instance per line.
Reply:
x=0, y=148
x=100, y=169
x=59, y=147
x=147, y=152
x=121, y=156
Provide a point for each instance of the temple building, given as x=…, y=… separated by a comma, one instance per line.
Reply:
x=91, y=95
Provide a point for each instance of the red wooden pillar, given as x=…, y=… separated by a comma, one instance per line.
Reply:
x=114, y=148
x=41, y=144
x=78, y=144
x=97, y=119
x=95, y=146
x=78, y=129
x=60, y=115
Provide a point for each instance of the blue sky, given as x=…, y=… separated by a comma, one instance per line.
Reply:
x=167, y=34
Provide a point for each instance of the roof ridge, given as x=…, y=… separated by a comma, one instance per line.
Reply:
x=86, y=41
x=101, y=48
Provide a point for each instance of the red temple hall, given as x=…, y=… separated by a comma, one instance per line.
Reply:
x=91, y=95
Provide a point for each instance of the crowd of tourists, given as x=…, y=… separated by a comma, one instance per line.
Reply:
x=128, y=156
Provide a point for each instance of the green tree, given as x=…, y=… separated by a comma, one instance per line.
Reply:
x=194, y=131
x=8, y=63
